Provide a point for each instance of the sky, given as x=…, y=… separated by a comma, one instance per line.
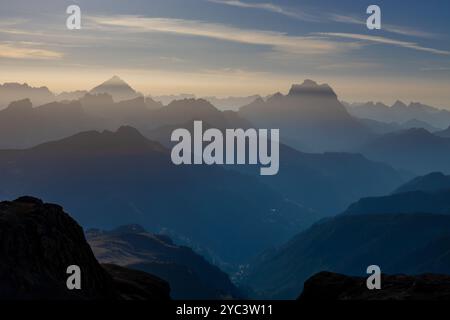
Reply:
x=232, y=47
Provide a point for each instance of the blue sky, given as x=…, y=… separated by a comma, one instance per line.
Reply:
x=232, y=47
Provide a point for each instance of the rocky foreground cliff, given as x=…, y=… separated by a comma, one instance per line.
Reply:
x=39, y=241
x=337, y=287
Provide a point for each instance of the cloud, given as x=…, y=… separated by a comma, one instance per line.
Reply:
x=277, y=40
x=383, y=40
x=405, y=31
x=15, y=52
x=270, y=8
x=334, y=17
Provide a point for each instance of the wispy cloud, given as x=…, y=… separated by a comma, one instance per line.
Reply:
x=405, y=31
x=322, y=17
x=277, y=40
x=270, y=8
x=20, y=52
x=384, y=40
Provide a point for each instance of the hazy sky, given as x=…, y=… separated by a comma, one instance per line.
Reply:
x=232, y=47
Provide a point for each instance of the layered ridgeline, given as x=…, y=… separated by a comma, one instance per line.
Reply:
x=115, y=87
x=107, y=179
x=23, y=126
x=310, y=117
x=39, y=241
x=401, y=113
x=391, y=233
x=416, y=150
x=189, y=275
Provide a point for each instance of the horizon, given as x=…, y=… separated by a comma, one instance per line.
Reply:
x=178, y=95
x=236, y=48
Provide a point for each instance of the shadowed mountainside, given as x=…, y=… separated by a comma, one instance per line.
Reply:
x=190, y=276
x=415, y=150
x=107, y=179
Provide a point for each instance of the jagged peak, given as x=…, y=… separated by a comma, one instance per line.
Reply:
x=311, y=88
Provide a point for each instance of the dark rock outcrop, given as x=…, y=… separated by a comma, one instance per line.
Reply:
x=39, y=241
x=333, y=286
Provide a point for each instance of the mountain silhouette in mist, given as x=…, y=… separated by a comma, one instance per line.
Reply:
x=116, y=178
x=310, y=118
x=117, y=88
x=23, y=126
x=190, y=276
x=404, y=232
x=432, y=182
x=430, y=193
x=416, y=150
x=10, y=92
x=444, y=133
x=401, y=113
x=341, y=178
x=348, y=244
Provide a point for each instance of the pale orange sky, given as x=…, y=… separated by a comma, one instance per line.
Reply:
x=223, y=83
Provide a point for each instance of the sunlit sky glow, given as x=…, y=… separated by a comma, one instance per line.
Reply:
x=232, y=47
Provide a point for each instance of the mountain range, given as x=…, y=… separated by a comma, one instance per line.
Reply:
x=401, y=113
x=310, y=117
x=415, y=150
x=115, y=178
x=400, y=236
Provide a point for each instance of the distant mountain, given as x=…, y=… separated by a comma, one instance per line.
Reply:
x=437, y=202
x=310, y=118
x=231, y=103
x=187, y=110
x=107, y=179
x=341, y=178
x=40, y=241
x=380, y=127
x=10, y=92
x=190, y=276
x=416, y=150
x=117, y=88
x=444, y=133
x=71, y=95
x=432, y=182
x=348, y=244
x=401, y=113
x=166, y=99
x=23, y=126
x=327, y=286
x=417, y=124
x=429, y=193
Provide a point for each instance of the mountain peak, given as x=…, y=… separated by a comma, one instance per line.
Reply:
x=312, y=88
x=399, y=104
x=20, y=105
x=432, y=182
x=117, y=88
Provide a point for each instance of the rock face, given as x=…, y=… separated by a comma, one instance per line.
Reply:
x=333, y=286
x=39, y=241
